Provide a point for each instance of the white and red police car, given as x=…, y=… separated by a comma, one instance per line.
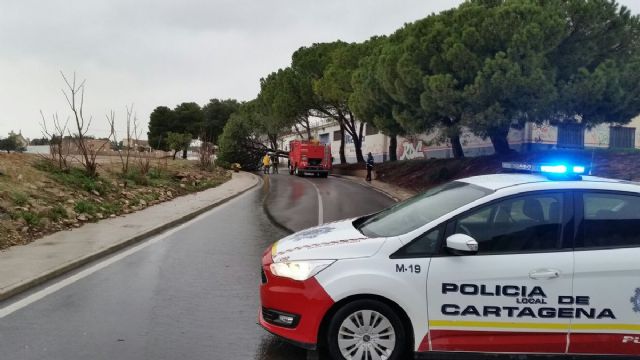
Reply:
x=505, y=263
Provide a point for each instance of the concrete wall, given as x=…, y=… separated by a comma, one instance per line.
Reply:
x=432, y=145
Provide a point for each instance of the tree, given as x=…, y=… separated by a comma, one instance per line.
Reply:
x=239, y=142
x=161, y=121
x=189, y=117
x=334, y=88
x=216, y=114
x=370, y=103
x=287, y=95
x=309, y=63
x=12, y=143
x=178, y=142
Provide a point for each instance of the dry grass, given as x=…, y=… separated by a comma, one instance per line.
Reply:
x=36, y=198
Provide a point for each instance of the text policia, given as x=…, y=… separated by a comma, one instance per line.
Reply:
x=522, y=296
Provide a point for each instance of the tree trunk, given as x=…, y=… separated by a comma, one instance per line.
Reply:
x=308, y=132
x=343, y=157
x=175, y=152
x=184, y=153
x=500, y=142
x=357, y=143
x=393, y=148
x=456, y=146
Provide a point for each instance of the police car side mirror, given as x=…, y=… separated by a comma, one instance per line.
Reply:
x=462, y=244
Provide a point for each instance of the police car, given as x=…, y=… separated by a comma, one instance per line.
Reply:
x=543, y=262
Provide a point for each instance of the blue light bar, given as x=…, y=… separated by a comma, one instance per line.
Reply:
x=553, y=169
x=558, y=171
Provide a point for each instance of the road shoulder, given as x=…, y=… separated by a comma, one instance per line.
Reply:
x=395, y=192
x=23, y=267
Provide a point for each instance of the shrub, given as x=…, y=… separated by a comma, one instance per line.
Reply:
x=32, y=219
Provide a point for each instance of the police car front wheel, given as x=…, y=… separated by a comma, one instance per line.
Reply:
x=366, y=329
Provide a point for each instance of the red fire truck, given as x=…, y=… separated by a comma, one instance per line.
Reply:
x=309, y=157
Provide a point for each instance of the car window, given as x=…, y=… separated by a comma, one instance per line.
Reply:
x=422, y=209
x=425, y=245
x=520, y=224
x=610, y=220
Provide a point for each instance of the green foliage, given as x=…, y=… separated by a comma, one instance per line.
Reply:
x=178, y=141
x=19, y=198
x=86, y=207
x=13, y=142
x=238, y=143
x=57, y=213
x=74, y=178
x=161, y=121
x=216, y=115
x=32, y=219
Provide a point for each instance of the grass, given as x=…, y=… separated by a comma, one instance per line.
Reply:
x=85, y=207
x=19, y=198
x=32, y=219
x=57, y=213
x=74, y=177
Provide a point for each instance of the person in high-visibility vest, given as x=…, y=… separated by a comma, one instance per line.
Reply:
x=266, y=163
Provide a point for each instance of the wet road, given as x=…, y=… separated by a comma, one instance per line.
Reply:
x=191, y=293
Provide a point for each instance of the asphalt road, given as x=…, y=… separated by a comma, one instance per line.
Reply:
x=191, y=293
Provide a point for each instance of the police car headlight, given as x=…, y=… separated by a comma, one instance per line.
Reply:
x=299, y=270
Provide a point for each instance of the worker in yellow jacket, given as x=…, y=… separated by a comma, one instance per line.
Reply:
x=266, y=163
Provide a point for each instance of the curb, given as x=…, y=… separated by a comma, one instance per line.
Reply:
x=73, y=265
x=386, y=193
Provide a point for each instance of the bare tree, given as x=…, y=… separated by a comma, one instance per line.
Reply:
x=205, y=152
x=143, y=157
x=125, y=152
x=74, y=94
x=57, y=151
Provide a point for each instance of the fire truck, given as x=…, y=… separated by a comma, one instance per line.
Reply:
x=309, y=157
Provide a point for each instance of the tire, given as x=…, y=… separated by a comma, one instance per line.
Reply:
x=298, y=173
x=324, y=175
x=290, y=171
x=377, y=330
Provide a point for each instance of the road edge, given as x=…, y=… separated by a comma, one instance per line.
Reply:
x=270, y=216
x=80, y=262
x=387, y=194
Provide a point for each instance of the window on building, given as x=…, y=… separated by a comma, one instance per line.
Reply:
x=336, y=135
x=622, y=137
x=571, y=136
x=324, y=139
x=370, y=130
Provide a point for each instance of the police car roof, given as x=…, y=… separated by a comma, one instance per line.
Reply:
x=500, y=181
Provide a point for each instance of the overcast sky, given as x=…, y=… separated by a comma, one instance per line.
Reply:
x=161, y=52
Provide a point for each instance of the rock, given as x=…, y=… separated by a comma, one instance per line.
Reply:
x=24, y=229
x=99, y=216
x=71, y=201
x=20, y=177
x=112, y=216
x=4, y=216
x=95, y=192
x=183, y=186
x=143, y=202
x=169, y=194
x=83, y=217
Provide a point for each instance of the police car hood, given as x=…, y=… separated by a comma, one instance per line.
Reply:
x=337, y=240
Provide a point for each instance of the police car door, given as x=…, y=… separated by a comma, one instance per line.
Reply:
x=607, y=274
x=505, y=297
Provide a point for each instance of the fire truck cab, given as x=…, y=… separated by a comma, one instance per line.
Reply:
x=309, y=157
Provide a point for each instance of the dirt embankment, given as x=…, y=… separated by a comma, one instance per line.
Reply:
x=421, y=174
x=37, y=198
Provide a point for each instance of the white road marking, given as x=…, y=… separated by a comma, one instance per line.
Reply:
x=41, y=294
x=320, y=206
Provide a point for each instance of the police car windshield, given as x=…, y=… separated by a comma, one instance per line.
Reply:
x=422, y=209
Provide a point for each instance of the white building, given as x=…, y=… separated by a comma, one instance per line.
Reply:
x=531, y=137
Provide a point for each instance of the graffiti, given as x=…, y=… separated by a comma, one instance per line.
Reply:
x=599, y=136
x=408, y=150
x=542, y=133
